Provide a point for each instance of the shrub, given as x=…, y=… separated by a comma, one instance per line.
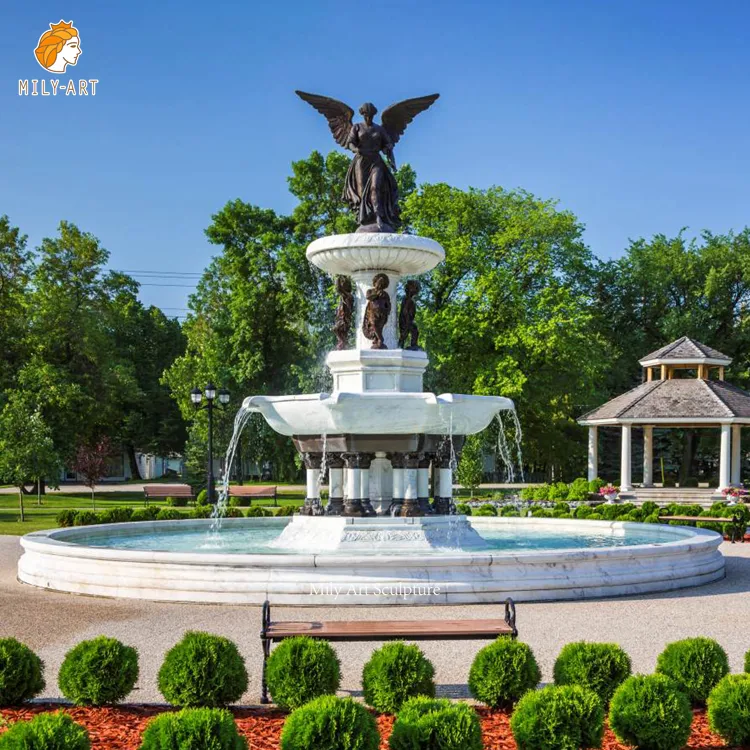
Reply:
x=558, y=491
x=649, y=507
x=233, y=513
x=601, y=667
x=203, y=670
x=747, y=662
x=85, y=518
x=301, y=669
x=695, y=664
x=235, y=502
x=541, y=513
x=257, y=512
x=116, y=515
x=502, y=672
x=579, y=489
x=330, y=723
x=560, y=717
x=653, y=518
x=286, y=510
x=193, y=729
x=650, y=712
x=66, y=518
x=561, y=508
x=21, y=673
x=509, y=511
x=169, y=514
x=595, y=485
x=47, y=731
x=486, y=509
x=202, y=498
x=527, y=494
x=463, y=509
x=729, y=709
x=145, y=514
x=583, y=511
x=177, y=502
x=395, y=672
x=425, y=723
x=595, y=516
x=98, y=671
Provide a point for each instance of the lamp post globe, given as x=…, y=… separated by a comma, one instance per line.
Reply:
x=196, y=396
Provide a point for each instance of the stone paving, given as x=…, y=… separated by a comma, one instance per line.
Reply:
x=52, y=623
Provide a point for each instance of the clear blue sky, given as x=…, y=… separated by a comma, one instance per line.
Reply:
x=633, y=113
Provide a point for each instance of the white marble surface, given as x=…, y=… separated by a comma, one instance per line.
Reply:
x=378, y=413
x=51, y=561
x=360, y=370
x=399, y=254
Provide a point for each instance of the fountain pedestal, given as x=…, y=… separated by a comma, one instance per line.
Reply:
x=392, y=535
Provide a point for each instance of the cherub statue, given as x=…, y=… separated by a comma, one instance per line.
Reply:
x=343, y=324
x=370, y=187
x=406, y=326
x=377, y=311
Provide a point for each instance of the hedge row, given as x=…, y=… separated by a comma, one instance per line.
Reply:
x=71, y=517
x=652, y=712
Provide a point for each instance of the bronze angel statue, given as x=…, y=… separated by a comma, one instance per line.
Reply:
x=370, y=188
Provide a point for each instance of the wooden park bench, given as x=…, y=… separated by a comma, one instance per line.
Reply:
x=383, y=630
x=252, y=491
x=738, y=525
x=162, y=491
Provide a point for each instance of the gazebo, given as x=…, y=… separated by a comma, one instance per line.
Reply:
x=671, y=397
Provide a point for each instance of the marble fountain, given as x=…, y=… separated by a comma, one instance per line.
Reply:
x=388, y=533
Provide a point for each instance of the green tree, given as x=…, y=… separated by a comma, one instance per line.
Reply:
x=27, y=450
x=471, y=464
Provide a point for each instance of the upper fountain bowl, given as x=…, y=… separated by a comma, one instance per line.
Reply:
x=401, y=254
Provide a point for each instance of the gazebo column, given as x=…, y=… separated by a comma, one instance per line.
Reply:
x=736, y=454
x=648, y=456
x=725, y=456
x=593, y=452
x=625, y=480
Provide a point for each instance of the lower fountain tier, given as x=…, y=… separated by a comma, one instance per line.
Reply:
x=326, y=534
x=378, y=413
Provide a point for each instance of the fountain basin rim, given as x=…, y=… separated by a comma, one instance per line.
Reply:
x=59, y=542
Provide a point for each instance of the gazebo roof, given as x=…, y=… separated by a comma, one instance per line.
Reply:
x=676, y=401
x=685, y=351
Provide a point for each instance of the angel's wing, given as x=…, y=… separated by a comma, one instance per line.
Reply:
x=398, y=116
x=338, y=114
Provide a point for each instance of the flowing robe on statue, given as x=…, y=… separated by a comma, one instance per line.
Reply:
x=370, y=186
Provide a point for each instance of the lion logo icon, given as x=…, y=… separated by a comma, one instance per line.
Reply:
x=58, y=47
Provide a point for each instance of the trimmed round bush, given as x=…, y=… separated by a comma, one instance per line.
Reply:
x=169, y=514
x=116, y=515
x=284, y=510
x=696, y=665
x=651, y=712
x=85, y=518
x=148, y=513
x=425, y=723
x=729, y=709
x=649, y=507
x=502, y=672
x=193, y=729
x=21, y=673
x=177, y=502
x=66, y=518
x=300, y=669
x=98, y=672
x=486, y=509
x=46, y=731
x=203, y=670
x=202, y=498
x=463, y=509
x=558, y=717
x=601, y=667
x=395, y=672
x=201, y=511
x=330, y=723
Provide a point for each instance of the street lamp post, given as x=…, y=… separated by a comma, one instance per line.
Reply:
x=211, y=396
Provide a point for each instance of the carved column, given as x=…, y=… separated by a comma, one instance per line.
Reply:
x=443, y=502
x=353, y=505
x=423, y=483
x=411, y=495
x=398, y=462
x=335, y=484
x=365, y=459
x=312, y=505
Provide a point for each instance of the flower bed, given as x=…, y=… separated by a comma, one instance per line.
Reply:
x=121, y=728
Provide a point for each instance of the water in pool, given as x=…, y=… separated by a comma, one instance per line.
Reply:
x=257, y=539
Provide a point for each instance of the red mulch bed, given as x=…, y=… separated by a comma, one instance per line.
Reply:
x=120, y=728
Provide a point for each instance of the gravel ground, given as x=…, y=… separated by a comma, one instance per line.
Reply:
x=52, y=623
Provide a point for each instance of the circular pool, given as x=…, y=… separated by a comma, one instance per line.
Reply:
x=529, y=559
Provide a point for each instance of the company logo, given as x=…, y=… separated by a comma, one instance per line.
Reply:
x=58, y=47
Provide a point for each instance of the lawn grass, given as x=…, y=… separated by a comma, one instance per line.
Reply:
x=44, y=516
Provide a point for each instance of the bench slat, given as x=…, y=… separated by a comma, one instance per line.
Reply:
x=372, y=630
x=242, y=491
